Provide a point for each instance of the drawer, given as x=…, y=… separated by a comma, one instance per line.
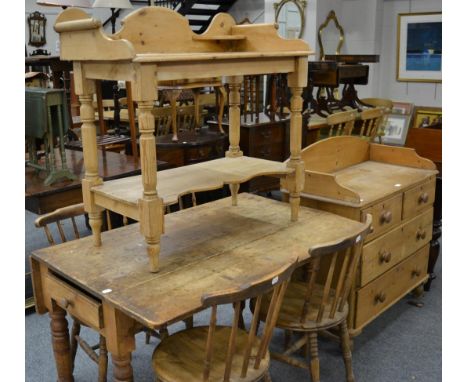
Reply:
x=198, y=154
x=418, y=198
x=385, y=215
x=273, y=151
x=384, y=291
x=264, y=135
x=383, y=253
x=77, y=304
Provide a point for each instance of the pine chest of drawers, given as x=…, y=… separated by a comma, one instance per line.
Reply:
x=352, y=177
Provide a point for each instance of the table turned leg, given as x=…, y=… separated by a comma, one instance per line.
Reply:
x=123, y=371
x=234, y=117
x=61, y=344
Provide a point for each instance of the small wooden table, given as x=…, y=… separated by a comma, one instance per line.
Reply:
x=41, y=199
x=204, y=249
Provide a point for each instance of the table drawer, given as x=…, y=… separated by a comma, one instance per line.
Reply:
x=384, y=291
x=392, y=247
x=385, y=215
x=77, y=304
x=418, y=198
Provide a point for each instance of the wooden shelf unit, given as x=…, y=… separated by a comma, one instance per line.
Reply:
x=351, y=177
x=156, y=45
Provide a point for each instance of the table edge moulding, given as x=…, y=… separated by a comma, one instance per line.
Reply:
x=154, y=45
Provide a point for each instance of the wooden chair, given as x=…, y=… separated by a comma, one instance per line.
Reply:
x=57, y=217
x=371, y=122
x=318, y=301
x=223, y=353
x=386, y=105
x=341, y=123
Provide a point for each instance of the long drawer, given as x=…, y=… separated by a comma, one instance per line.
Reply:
x=79, y=305
x=385, y=215
x=383, y=292
x=388, y=250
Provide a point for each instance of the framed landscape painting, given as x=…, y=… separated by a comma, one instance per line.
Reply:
x=419, y=50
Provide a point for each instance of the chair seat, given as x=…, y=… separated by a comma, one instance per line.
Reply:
x=291, y=309
x=181, y=356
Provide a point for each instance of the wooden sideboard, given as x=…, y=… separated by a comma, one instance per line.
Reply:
x=352, y=177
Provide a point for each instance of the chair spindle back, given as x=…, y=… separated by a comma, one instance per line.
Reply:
x=341, y=123
x=371, y=121
x=335, y=295
x=57, y=216
x=278, y=281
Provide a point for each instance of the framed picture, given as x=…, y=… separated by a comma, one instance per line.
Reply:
x=37, y=24
x=405, y=108
x=419, y=47
x=396, y=129
x=427, y=117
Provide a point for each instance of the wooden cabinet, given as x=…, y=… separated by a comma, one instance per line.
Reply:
x=351, y=177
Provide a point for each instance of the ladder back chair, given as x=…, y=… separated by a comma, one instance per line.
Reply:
x=341, y=123
x=225, y=353
x=318, y=301
x=371, y=122
x=57, y=217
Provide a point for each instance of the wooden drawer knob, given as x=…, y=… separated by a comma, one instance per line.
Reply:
x=386, y=217
x=380, y=297
x=423, y=198
x=416, y=273
x=65, y=303
x=421, y=234
x=385, y=256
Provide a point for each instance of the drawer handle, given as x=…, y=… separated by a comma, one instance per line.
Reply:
x=423, y=198
x=385, y=256
x=386, y=217
x=421, y=234
x=380, y=297
x=416, y=273
x=65, y=302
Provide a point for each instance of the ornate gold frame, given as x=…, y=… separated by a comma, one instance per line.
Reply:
x=301, y=4
x=331, y=17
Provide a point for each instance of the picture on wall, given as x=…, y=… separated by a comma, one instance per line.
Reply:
x=419, y=50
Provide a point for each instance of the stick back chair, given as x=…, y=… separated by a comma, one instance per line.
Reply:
x=371, y=122
x=319, y=303
x=341, y=123
x=58, y=217
x=223, y=353
x=386, y=105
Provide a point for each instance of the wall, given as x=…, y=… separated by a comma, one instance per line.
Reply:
x=422, y=94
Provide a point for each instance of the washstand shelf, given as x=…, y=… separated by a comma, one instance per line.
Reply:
x=155, y=45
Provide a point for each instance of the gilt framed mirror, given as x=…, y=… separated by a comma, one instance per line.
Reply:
x=37, y=24
x=330, y=38
x=290, y=18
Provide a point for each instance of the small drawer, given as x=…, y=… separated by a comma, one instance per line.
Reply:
x=384, y=291
x=198, y=154
x=385, y=215
x=267, y=135
x=76, y=303
x=272, y=152
x=392, y=247
x=418, y=198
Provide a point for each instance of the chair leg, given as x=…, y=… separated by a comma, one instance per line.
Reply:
x=345, y=346
x=287, y=338
x=314, y=364
x=189, y=322
x=267, y=377
x=147, y=337
x=73, y=342
x=102, y=359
